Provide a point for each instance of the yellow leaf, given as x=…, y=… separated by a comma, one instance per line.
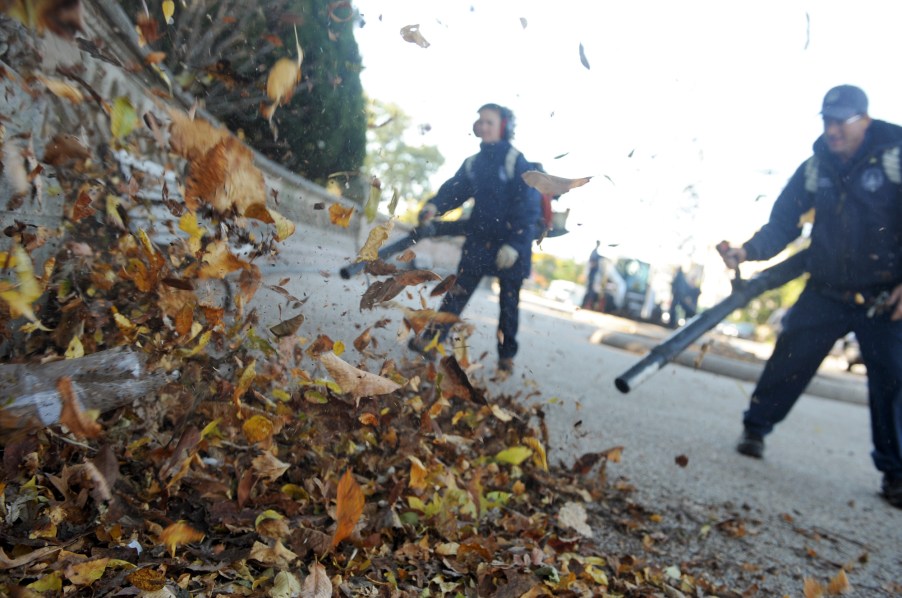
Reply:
x=112, y=212
x=539, y=457
x=349, y=507
x=201, y=343
x=283, y=78
x=211, y=429
x=168, y=11
x=514, y=455
x=552, y=185
x=378, y=235
x=244, y=382
x=338, y=348
x=26, y=291
x=188, y=223
x=418, y=473
x=340, y=215
x=284, y=227
x=372, y=203
x=52, y=582
x=218, y=261
x=63, y=90
x=257, y=429
x=267, y=514
x=75, y=348
x=177, y=534
x=86, y=572
x=123, y=117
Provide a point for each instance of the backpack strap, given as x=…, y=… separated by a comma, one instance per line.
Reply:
x=510, y=164
x=811, y=174
x=891, y=165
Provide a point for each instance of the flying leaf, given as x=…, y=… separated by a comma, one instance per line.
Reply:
x=26, y=291
x=123, y=118
x=355, y=382
x=514, y=455
x=63, y=90
x=444, y=286
x=168, y=11
x=287, y=327
x=411, y=33
x=192, y=138
x=539, y=457
x=66, y=149
x=225, y=177
x=363, y=340
x=317, y=584
x=75, y=349
x=284, y=227
x=547, y=184
x=218, y=261
x=177, y=534
x=282, y=80
x=393, y=202
x=418, y=319
x=582, y=57
x=377, y=236
x=372, y=202
x=340, y=215
x=71, y=414
x=244, y=383
x=349, y=507
x=188, y=223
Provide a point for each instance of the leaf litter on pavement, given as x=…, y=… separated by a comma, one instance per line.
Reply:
x=265, y=463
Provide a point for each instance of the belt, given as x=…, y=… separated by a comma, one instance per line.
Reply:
x=874, y=300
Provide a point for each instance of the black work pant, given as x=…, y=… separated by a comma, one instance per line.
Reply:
x=810, y=330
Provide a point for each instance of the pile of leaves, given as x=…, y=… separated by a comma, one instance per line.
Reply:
x=264, y=463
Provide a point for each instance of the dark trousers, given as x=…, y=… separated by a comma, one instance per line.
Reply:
x=468, y=278
x=810, y=330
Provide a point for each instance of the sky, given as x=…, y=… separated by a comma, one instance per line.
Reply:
x=691, y=116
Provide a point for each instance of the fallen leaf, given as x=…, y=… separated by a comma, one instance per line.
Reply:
x=418, y=473
x=411, y=33
x=317, y=584
x=268, y=467
x=71, y=414
x=285, y=585
x=257, y=429
x=839, y=584
x=148, y=580
x=273, y=556
x=548, y=184
x=682, y=460
x=66, y=149
x=349, y=507
x=218, y=261
x=63, y=90
x=21, y=295
x=85, y=573
x=573, y=516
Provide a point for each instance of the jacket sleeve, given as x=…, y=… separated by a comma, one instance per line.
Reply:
x=526, y=212
x=783, y=225
x=453, y=192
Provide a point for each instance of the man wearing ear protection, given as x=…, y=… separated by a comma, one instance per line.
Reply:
x=504, y=221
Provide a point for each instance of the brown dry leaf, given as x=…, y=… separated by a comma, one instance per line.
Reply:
x=218, y=261
x=177, y=534
x=379, y=292
x=812, y=588
x=839, y=584
x=192, y=138
x=414, y=277
x=71, y=415
x=273, y=556
x=377, y=236
x=406, y=256
x=355, y=382
x=363, y=340
x=340, y=215
x=284, y=227
x=349, y=507
x=63, y=90
x=319, y=346
x=552, y=185
x=378, y=267
x=317, y=584
x=411, y=33
x=287, y=327
x=444, y=286
x=455, y=382
x=244, y=383
x=155, y=57
x=418, y=319
x=268, y=467
x=65, y=149
x=62, y=17
x=148, y=580
x=225, y=177
x=418, y=473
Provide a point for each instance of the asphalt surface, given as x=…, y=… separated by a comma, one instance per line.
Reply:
x=817, y=465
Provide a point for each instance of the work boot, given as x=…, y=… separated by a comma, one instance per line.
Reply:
x=892, y=491
x=505, y=368
x=751, y=444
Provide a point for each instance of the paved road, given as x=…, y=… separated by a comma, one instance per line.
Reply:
x=818, y=466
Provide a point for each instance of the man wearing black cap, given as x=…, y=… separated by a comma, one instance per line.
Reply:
x=853, y=184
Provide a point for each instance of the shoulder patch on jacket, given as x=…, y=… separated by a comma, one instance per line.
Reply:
x=811, y=174
x=891, y=165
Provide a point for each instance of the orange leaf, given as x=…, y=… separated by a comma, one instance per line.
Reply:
x=218, y=261
x=71, y=415
x=155, y=57
x=349, y=508
x=179, y=533
x=340, y=215
x=839, y=584
x=225, y=177
x=257, y=429
x=192, y=138
x=812, y=588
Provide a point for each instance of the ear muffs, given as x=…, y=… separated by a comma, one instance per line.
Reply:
x=503, y=127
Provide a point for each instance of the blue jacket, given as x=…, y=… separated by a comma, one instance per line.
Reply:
x=856, y=239
x=506, y=209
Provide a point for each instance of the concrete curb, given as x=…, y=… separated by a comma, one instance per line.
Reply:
x=823, y=385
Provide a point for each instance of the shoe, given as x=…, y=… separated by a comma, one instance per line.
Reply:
x=505, y=368
x=751, y=444
x=892, y=491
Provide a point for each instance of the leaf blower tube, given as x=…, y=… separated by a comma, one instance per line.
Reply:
x=425, y=231
x=743, y=292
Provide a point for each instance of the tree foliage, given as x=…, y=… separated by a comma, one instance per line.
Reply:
x=400, y=165
x=551, y=267
x=221, y=52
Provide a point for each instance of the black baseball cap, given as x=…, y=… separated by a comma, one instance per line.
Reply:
x=844, y=101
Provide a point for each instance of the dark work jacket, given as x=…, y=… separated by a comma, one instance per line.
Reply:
x=505, y=210
x=856, y=239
